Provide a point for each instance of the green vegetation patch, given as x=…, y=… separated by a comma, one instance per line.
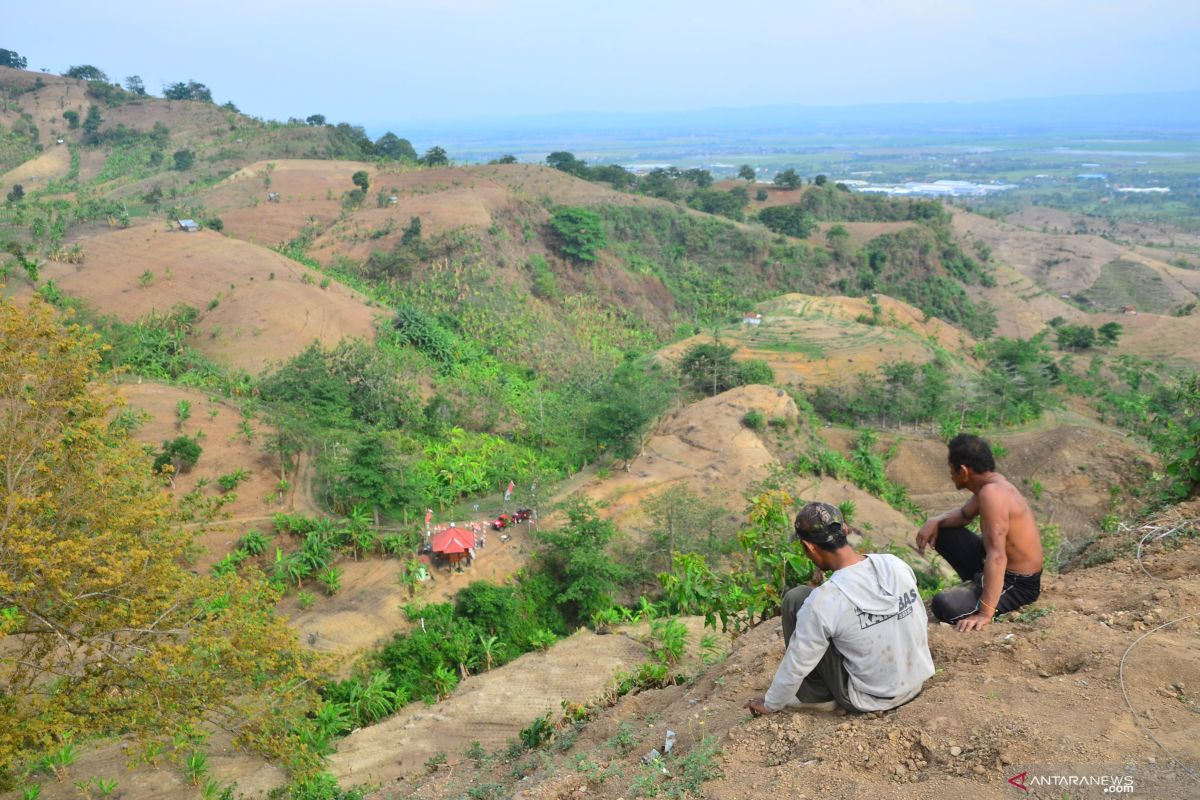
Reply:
x=1123, y=282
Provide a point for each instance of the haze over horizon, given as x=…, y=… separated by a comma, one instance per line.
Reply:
x=424, y=62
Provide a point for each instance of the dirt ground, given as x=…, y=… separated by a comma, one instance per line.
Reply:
x=256, y=306
x=1042, y=696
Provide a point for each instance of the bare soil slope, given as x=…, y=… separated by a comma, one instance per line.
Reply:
x=490, y=708
x=1042, y=696
x=267, y=307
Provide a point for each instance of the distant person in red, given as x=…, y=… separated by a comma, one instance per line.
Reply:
x=1001, y=571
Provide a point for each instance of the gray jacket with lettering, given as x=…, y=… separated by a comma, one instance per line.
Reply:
x=872, y=614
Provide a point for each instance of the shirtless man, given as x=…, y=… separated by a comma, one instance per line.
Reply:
x=1001, y=572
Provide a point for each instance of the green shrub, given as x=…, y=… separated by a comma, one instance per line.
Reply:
x=754, y=419
x=578, y=232
x=756, y=371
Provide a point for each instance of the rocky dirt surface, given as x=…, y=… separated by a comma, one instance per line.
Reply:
x=1041, y=694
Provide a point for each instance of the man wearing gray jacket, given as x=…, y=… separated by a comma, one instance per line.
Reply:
x=859, y=639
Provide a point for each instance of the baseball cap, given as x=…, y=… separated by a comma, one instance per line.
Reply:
x=820, y=523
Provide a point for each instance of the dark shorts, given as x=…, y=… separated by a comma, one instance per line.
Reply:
x=963, y=600
x=964, y=551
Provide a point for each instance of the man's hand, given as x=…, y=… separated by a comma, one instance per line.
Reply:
x=758, y=706
x=927, y=536
x=975, y=622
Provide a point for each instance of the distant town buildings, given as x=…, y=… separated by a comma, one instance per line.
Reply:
x=942, y=188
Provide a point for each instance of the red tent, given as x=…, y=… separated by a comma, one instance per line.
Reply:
x=453, y=543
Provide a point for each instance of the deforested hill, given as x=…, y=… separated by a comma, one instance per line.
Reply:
x=313, y=350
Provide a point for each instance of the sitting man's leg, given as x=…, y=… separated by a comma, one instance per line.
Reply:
x=963, y=550
x=961, y=601
x=829, y=682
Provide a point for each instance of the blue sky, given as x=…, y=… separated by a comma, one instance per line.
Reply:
x=415, y=61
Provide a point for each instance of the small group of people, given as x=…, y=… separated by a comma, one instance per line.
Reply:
x=858, y=639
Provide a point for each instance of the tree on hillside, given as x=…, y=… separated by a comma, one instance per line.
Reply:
x=679, y=521
x=788, y=220
x=1109, y=333
x=821, y=180
x=135, y=85
x=614, y=174
x=91, y=125
x=578, y=232
x=661, y=183
x=72, y=118
x=435, y=157
x=1076, y=337
x=567, y=162
x=106, y=630
x=188, y=91
x=16, y=194
x=86, y=72
x=315, y=120
x=184, y=159
x=627, y=405
x=507, y=158
x=710, y=369
x=788, y=179
x=392, y=146
x=10, y=58
x=361, y=179
x=746, y=172
x=577, y=557
x=702, y=178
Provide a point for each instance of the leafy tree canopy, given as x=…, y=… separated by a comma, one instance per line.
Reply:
x=627, y=405
x=392, y=146
x=435, y=157
x=577, y=558
x=105, y=630
x=567, y=162
x=10, y=58
x=190, y=90
x=86, y=72
x=579, y=232
x=788, y=220
x=709, y=367
x=746, y=172
x=135, y=85
x=788, y=179
x=315, y=120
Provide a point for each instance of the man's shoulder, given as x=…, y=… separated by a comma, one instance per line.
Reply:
x=1000, y=490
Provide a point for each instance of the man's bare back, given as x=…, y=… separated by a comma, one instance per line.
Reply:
x=999, y=501
x=1001, y=569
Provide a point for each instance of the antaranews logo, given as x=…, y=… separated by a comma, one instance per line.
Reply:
x=1108, y=784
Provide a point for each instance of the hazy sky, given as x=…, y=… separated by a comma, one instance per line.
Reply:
x=377, y=63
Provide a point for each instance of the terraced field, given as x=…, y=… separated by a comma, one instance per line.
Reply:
x=827, y=341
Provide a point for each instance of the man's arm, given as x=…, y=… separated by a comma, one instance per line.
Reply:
x=809, y=642
x=993, y=523
x=955, y=518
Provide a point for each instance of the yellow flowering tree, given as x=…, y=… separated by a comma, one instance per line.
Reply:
x=103, y=629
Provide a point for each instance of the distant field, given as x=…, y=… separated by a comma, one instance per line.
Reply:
x=1124, y=282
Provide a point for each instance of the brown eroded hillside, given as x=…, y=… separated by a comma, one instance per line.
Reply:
x=257, y=307
x=1044, y=694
